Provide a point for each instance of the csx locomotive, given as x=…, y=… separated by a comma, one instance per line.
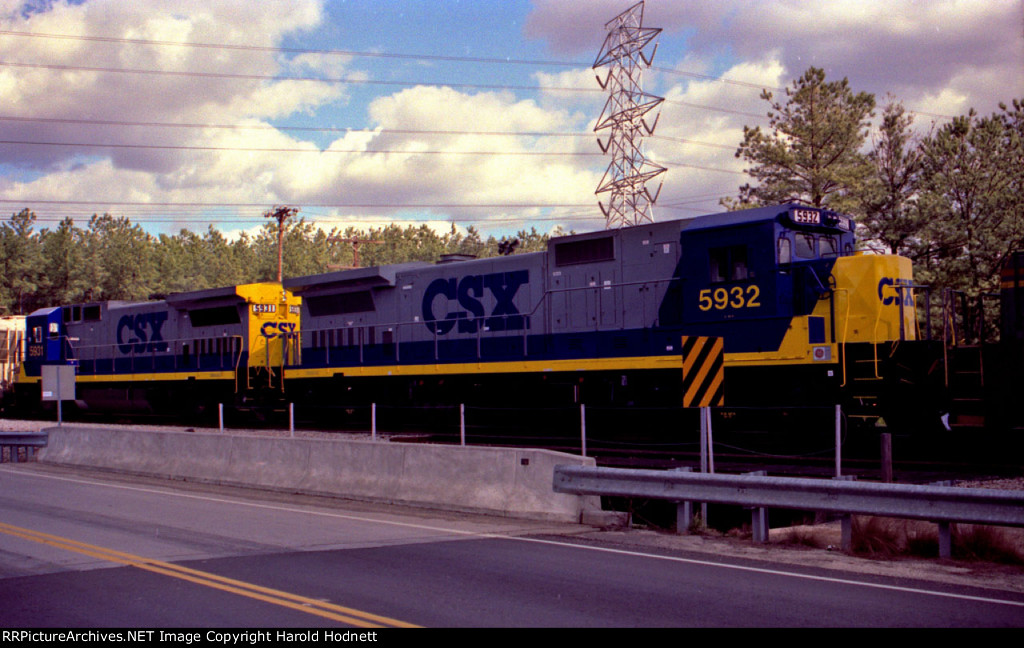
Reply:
x=183, y=354
x=614, y=318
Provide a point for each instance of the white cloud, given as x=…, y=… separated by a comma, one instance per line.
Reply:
x=75, y=79
x=938, y=57
x=908, y=48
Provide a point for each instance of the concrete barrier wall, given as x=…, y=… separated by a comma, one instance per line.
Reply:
x=504, y=481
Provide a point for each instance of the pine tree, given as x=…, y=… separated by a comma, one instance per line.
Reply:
x=812, y=152
x=887, y=205
x=20, y=257
x=968, y=201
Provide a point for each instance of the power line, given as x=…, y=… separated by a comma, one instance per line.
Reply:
x=414, y=57
x=263, y=205
x=270, y=127
x=348, y=80
x=296, y=50
x=173, y=147
x=330, y=129
x=684, y=165
x=277, y=77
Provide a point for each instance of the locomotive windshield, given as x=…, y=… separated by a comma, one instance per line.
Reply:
x=809, y=234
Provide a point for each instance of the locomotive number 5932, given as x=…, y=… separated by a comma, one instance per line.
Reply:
x=724, y=298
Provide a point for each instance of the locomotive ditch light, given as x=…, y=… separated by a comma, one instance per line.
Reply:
x=833, y=219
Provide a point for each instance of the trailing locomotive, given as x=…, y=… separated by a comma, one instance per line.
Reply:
x=187, y=352
x=602, y=318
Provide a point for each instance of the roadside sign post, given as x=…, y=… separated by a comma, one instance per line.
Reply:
x=58, y=385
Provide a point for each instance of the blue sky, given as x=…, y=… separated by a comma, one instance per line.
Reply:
x=111, y=106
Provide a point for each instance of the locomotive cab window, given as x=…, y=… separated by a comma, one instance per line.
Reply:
x=827, y=247
x=785, y=250
x=729, y=264
x=805, y=248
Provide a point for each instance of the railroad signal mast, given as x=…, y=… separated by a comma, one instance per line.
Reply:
x=625, y=115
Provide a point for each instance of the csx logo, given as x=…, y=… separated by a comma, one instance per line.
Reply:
x=141, y=333
x=466, y=293
x=897, y=287
x=272, y=330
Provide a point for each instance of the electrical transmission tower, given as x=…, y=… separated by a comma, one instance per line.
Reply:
x=629, y=200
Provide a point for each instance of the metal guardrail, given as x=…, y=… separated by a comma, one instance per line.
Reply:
x=18, y=440
x=940, y=504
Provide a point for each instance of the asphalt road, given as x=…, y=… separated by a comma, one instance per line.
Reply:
x=87, y=550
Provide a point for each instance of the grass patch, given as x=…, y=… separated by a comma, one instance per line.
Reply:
x=805, y=536
x=879, y=537
x=990, y=544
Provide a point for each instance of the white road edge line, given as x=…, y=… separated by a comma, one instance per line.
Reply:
x=499, y=536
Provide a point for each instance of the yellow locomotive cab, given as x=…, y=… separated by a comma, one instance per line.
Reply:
x=273, y=330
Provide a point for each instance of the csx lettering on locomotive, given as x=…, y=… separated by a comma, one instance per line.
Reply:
x=141, y=333
x=468, y=292
x=896, y=288
x=278, y=329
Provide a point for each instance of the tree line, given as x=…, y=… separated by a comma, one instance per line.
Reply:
x=112, y=258
x=952, y=200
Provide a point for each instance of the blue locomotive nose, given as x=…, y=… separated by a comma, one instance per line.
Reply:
x=46, y=340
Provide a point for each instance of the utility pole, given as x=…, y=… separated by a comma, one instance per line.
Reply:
x=281, y=214
x=355, y=249
x=629, y=201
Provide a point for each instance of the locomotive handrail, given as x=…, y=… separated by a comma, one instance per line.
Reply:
x=173, y=347
x=846, y=330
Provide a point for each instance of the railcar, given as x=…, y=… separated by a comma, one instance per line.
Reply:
x=612, y=317
x=185, y=353
x=12, y=339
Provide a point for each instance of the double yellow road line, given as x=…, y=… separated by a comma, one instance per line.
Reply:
x=277, y=597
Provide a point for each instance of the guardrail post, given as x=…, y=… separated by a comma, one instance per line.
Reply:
x=684, y=510
x=945, y=532
x=373, y=421
x=759, y=515
x=846, y=520
x=291, y=419
x=220, y=416
x=945, y=540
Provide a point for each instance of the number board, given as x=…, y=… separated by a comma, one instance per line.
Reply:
x=806, y=217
